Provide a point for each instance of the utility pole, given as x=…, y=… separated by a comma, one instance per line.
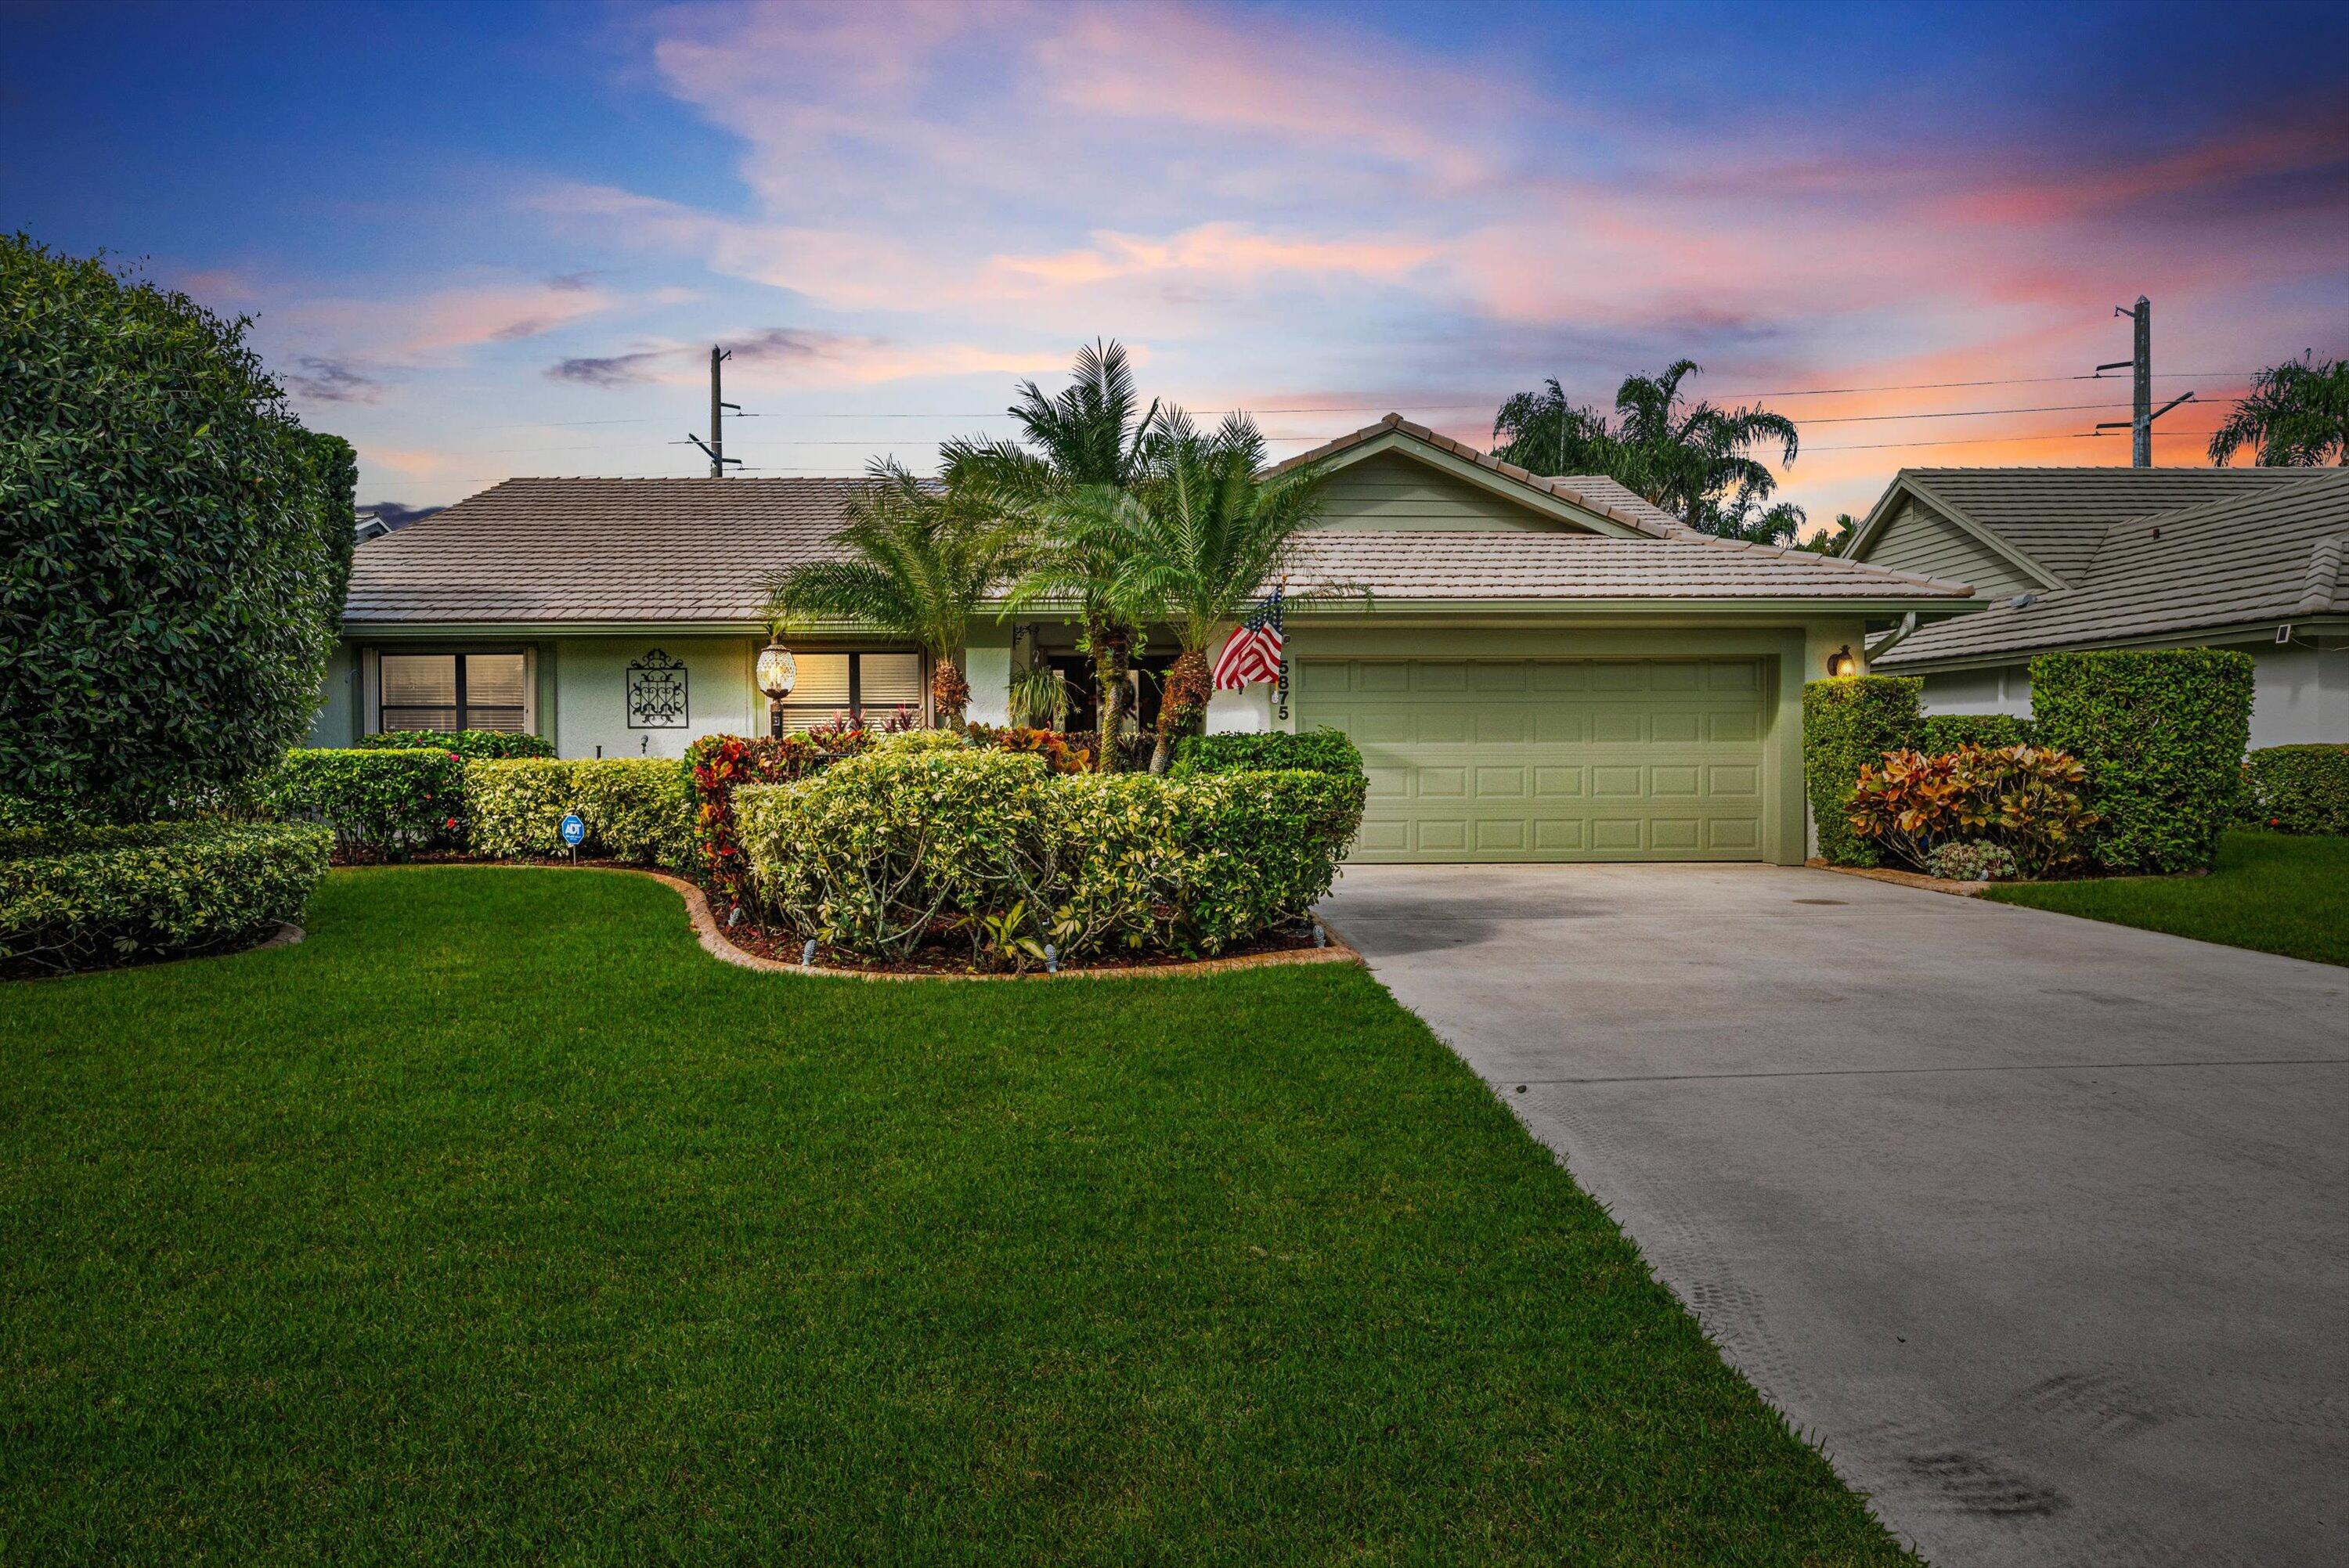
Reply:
x=2142, y=413
x=716, y=446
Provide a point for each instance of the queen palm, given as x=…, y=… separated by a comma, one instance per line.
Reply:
x=1090, y=436
x=914, y=562
x=2297, y=416
x=1201, y=535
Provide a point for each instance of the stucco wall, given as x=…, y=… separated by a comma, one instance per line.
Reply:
x=336, y=721
x=2300, y=694
x=591, y=708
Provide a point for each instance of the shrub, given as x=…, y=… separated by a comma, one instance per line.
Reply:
x=2297, y=789
x=720, y=764
x=1060, y=753
x=2162, y=733
x=167, y=593
x=1973, y=860
x=378, y=805
x=517, y=806
x=466, y=743
x=2025, y=799
x=635, y=809
x=1850, y=723
x=1944, y=732
x=1315, y=752
x=74, y=897
x=881, y=853
x=916, y=741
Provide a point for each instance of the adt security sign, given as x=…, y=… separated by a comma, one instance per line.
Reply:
x=574, y=832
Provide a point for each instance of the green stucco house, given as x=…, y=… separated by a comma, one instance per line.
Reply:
x=1548, y=669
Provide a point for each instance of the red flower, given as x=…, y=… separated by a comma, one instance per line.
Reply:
x=451, y=824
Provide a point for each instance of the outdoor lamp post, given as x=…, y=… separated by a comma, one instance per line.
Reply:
x=777, y=672
x=1839, y=664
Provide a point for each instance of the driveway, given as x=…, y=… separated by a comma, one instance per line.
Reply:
x=2039, y=1227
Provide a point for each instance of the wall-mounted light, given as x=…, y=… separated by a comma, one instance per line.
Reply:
x=777, y=672
x=1841, y=662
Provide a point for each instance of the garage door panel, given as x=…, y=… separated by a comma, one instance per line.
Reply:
x=1550, y=760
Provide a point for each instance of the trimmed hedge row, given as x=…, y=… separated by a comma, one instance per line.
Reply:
x=637, y=808
x=2297, y=789
x=379, y=805
x=71, y=897
x=1939, y=734
x=878, y=854
x=1314, y=751
x=468, y=743
x=1850, y=723
x=2163, y=734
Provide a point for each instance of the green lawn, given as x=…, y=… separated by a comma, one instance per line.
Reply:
x=497, y=1222
x=2270, y=891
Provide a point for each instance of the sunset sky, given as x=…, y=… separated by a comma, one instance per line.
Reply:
x=491, y=241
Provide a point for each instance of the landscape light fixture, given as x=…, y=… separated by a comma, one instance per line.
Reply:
x=777, y=672
x=1841, y=662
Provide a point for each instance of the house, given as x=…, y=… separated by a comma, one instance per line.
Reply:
x=2125, y=558
x=1544, y=669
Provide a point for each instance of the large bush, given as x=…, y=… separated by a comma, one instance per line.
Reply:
x=1315, y=752
x=2297, y=789
x=720, y=764
x=468, y=743
x=516, y=806
x=634, y=807
x=989, y=851
x=1850, y=723
x=379, y=805
x=2021, y=799
x=74, y=897
x=2162, y=733
x=168, y=566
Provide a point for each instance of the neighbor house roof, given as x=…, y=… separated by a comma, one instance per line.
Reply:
x=583, y=552
x=2055, y=518
x=2263, y=547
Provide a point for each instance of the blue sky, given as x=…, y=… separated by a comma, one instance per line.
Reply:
x=495, y=240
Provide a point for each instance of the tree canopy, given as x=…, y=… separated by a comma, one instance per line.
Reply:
x=170, y=560
x=2297, y=416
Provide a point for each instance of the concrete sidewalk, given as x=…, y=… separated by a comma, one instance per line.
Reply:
x=2039, y=1226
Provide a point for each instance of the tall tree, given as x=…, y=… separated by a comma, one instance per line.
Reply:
x=1090, y=437
x=1202, y=535
x=1692, y=460
x=1831, y=539
x=2297, y=416
x=915, y=563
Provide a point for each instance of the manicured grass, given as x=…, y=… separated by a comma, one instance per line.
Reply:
x=497, y=1223
x=2272, y=891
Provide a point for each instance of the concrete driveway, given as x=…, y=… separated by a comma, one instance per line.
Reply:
x=2039, y=1227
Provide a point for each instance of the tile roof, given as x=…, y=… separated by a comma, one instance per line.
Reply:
x=1396, y=564
x=2266, y=551
x=1592, y=492
x=589, y=551
x=2057, y=516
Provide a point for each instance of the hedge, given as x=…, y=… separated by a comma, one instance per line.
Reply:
x=2162, y=733
x=1847, y=723
x=379, y=805
x=634, y=807
x=467, y=743
x=877, y=855
x=1315, y=752
x=74, y=897
x=2297, y=789
x=1940, y=734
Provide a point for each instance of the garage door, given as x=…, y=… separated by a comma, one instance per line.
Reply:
x=1501, y=759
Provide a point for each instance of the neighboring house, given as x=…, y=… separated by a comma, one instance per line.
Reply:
x=2126, y=558
x=1547, y=669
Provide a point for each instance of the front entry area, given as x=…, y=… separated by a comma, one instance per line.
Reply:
x=1550, y=760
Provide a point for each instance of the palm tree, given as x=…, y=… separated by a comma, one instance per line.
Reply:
x=2297, y=416
x=1089, y=437
x=1690, y=460
x=1831, y=540
x=915, y=563
x=1205, y=531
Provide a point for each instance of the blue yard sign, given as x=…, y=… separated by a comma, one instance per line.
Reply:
x=575, y=831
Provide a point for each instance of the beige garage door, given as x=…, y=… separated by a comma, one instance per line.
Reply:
x=1525, y=760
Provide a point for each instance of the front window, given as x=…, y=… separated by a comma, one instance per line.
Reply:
x=449, y=692
x=870, y=686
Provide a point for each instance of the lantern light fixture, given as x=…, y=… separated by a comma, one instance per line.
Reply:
x=1841, y=662
x=777, y=674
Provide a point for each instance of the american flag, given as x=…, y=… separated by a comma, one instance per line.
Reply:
x=1254, y=652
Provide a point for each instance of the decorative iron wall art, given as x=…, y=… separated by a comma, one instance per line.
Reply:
x=656, y=693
